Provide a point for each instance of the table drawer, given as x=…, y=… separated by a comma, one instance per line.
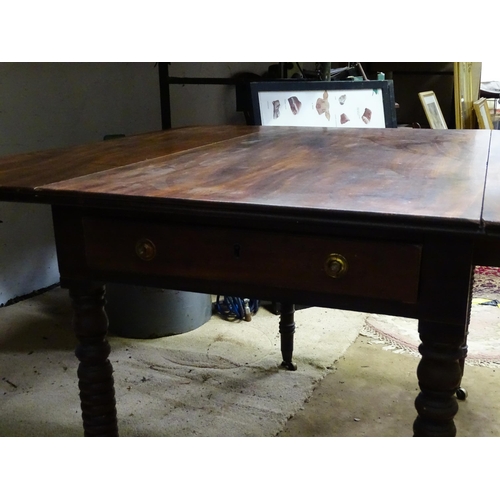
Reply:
x=377, y=269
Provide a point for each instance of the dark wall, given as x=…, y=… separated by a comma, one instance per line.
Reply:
x=412, y=78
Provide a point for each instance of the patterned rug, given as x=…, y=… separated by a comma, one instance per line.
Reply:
x=401, y=334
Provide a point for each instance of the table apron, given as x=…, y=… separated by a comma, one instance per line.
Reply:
x=372, y=269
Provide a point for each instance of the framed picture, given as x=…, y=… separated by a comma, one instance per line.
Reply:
x=466, y=82
x=483, y=114
x=348, y=104
x=432, y=110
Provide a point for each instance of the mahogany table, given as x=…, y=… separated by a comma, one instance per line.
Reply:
x=388, y=221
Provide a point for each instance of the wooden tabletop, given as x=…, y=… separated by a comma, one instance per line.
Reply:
x=491, y=211
x=409, y=173
x=22, y=174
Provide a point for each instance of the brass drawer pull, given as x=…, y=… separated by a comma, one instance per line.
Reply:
x=145, y=249
x=336, y=265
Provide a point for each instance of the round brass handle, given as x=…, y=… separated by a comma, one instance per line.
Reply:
x=336, y=265
x=145, y=249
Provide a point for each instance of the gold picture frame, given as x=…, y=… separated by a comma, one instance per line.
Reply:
x=432, y=110
x=466, y=82
x=483, y=114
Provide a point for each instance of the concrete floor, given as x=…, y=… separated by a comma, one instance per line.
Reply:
x=371, y=392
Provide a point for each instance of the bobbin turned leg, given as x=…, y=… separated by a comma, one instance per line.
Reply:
x=287, y=331
x=95, y=373
x=439, y=375
x=446, y=275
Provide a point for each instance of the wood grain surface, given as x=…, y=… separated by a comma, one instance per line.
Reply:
x=29, y=171
x=409, y=172
x=375, y=268
x=491, y=212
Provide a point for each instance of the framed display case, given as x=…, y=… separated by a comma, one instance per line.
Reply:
x=348, y=104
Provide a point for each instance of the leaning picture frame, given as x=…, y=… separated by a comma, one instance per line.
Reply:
x=343, y=104
x=432, y=110
x=483, y=113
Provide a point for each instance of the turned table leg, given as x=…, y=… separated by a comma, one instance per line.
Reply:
x=287, y=331
x=95, y=373
x=439, y=375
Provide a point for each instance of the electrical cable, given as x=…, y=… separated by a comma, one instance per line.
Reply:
x=235, y=308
